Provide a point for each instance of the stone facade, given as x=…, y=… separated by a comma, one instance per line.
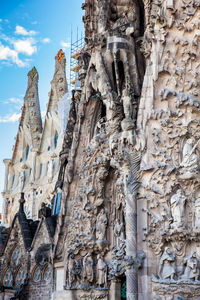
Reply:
x=128, y=225
x=34, y=166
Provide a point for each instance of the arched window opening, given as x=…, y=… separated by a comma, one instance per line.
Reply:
x=47, y=274
x=21, y=277
x=40, y=170
x=27, y=151
x=56, y=139
x=15, y=259
x=37, y=274
x=103, y=110
x=121, y=75
x=8, y=279
x=13, y=180
x=123, y=288
x=56, y=203
x=114, y=77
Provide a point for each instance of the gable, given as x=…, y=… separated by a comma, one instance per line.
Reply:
x=42, y=236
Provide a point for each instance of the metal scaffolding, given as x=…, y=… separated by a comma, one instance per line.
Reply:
x=75, y=52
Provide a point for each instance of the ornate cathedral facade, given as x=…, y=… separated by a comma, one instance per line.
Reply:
x=127, y=192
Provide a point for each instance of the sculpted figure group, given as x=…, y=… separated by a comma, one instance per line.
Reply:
x=178, y=212
x=83, y=273
x=189, y=269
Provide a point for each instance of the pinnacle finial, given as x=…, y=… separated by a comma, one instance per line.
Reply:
x=32, y=73
x=21, y=201
x=60, y=55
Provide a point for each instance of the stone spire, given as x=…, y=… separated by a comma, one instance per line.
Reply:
x=59, y=82
x=32, y=107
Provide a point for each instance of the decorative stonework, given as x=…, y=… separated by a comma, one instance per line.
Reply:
x=128, y=185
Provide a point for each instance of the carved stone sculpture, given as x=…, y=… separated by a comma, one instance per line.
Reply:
x=189, y=164
x=119, y=232
x=177, y=204
x=88, y=272
x=70, y=270
x=101, y=225
x=101, y=175
x=197, y=214
x=101, y=271
x=191, y=264
x=167, y=265
x=127, y=105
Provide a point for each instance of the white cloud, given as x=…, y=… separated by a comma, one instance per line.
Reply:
x=22, y=31
x=8, y=54
x=65, y=45
x=10, y=118
x=46, y=40
x=25, y=46
x=14, y=50
x=15, y=100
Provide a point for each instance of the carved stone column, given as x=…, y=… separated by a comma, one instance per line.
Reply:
x=115, y=290
x=131, y=246
x=132, y=185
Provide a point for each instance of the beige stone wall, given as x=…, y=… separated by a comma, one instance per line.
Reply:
x=35, y=163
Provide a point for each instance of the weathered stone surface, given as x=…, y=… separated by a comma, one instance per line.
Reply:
x=129, y=171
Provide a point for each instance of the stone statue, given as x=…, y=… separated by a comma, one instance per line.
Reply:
x=166, y=268
x=189, y=164
x=127, y=105
x=101, y=225
x=177, y=203
x=100, y=178
x=118, y=232
x=101, y=271
x=191, y=264
x=88, y=273
x=119, y=193
x=197, y=214
x=70, y=270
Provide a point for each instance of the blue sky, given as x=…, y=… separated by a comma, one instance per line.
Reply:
x=31, y=33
